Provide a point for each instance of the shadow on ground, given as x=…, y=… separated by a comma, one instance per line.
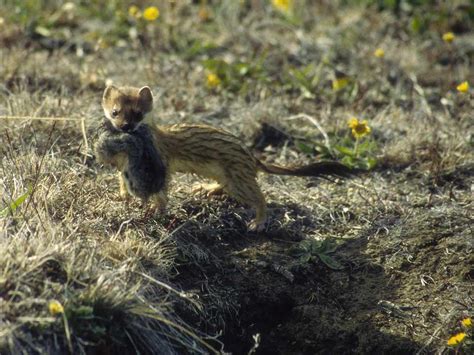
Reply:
x=245, y=285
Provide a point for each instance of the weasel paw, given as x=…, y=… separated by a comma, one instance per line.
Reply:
x=208, y=190
x=255, y=226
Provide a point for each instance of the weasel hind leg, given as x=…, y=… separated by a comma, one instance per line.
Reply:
x=248, y=192
x=260, y=220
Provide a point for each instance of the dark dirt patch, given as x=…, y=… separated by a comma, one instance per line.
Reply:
x=321, y=311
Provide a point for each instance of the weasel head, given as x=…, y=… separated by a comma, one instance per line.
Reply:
x=125, y=107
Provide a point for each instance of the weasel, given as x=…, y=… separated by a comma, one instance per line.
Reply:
x=203, y=150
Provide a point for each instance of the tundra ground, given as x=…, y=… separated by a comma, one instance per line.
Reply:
x=379, y=263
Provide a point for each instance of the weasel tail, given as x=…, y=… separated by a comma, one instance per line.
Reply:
x=321, y=169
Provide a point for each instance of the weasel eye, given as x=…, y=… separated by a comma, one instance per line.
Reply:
x=114, y=113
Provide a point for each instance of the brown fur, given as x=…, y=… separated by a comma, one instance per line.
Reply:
x=208, y=152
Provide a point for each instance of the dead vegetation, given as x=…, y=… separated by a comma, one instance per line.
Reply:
x=397, y=274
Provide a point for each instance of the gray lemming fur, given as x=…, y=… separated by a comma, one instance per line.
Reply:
x=146, y=171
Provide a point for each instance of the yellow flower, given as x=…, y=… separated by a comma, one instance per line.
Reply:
x=213, y=80
x=283, y=5
x=379, y=53
x=463, y=87
x=448, y=37
x=456, y=339
x=340, y=83
x=359, y=128
x=134, y=11
x=467, y=322
x=151, y=13
x=204, y=14
x=55, y=307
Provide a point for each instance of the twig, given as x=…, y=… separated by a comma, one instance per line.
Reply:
x=84, y=135
x=5, y=117
x=316, y=123
x=256, y=343
x=181, y=294
x=124, y=223
x=419, y=90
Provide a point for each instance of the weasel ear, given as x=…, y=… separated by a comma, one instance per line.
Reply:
x=108, y=92
x=145, y=98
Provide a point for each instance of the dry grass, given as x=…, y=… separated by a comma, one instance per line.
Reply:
x=405, y=229
x=67, y=244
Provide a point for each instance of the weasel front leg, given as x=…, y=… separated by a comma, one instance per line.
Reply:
x=159, y=202
x=123, y=187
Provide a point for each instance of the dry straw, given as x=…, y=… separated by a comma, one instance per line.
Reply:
x=55, y=119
